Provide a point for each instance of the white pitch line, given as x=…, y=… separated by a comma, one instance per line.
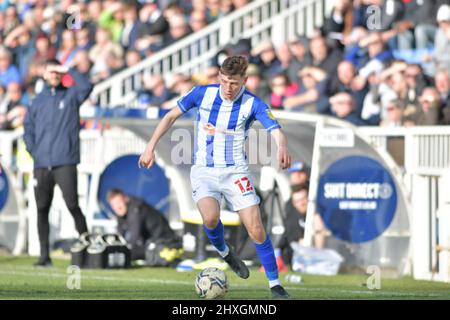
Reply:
x=180, y=282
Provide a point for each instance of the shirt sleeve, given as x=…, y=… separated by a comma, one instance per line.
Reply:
x=264, y=115
x=189, y=100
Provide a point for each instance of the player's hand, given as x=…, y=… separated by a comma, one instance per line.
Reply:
x=284, y=158
x=146, y=159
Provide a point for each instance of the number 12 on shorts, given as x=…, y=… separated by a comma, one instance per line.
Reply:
x=241, y=182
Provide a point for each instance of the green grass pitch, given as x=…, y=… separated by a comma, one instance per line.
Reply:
x=20, y=280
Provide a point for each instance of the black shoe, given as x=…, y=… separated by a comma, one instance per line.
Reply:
x=43, y=263
x=278, y=292
x=236, y=264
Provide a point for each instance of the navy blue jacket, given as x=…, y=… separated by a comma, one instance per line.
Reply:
x=52, y=123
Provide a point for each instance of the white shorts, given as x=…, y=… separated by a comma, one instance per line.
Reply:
x=234, y=183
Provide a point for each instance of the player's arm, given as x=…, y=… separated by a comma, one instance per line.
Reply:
x=283, y=156
x=265, y=116
x=148, y=156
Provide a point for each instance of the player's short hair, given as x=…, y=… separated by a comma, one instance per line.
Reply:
x=114, y=192
x=234, y=65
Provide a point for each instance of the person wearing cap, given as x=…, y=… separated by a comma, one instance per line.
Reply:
x=266, y=58
x=442, y=38
x=52, y=128
x=256, y=84
x=298, y=173
x=300, y=56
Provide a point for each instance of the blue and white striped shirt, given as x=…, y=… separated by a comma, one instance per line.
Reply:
x=222, y=125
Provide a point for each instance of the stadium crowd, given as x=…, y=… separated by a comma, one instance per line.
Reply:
x=373, y=62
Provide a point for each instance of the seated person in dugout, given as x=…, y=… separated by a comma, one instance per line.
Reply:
x=294, y=222
x=140, y=223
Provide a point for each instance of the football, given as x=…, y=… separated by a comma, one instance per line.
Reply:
x=211, y=283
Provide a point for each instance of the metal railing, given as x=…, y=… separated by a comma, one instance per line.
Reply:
x=277, y=20
x=427, y=149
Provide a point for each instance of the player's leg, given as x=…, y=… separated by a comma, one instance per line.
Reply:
x=210, y=212
x=43, y=192
x=251, y=218
x=206, y=193
x=66, y=178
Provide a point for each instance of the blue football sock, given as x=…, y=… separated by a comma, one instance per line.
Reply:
x=217, y=238
x=267, y=258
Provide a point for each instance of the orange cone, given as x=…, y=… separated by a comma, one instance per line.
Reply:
x=280, y=263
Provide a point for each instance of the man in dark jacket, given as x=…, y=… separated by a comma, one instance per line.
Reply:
x=52, y=126
x=295, y=221
x=139, y=223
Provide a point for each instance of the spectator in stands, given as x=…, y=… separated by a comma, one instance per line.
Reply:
x=428, y=113
x=140, y=223
x=345, y=80
x=394, y=77
x=284, y=55
x=295, y=221
x=103, y=49
x=212, y=10
x=155, y=92
x=442, y=83
x=82, y=61
x=255, y=83
x=111, y=19
x=416, y=81
x=8, y=72
x=281, y=88
x=68, y=48
x=56, y=152
x=11, y=20
x=343, y=107
x=299, y=173
x=266, y=59
x=83, y=39
x=390, y=14
x=323, y=57
x=152, y=21
x=52, y=26
x=178, y=29
x=44, y=51
x=339, y=24
x=14, y=105
x=132, y=58
x=394, y=114
x=226, y=6
x=423, y=20
x=131, y=26
x=370, y=48
x=311, y=93
x=22, y=48
x=442, y=39
x=300, y=57
x=197, y=20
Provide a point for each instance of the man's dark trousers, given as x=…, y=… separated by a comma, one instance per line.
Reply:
x=66, y=178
